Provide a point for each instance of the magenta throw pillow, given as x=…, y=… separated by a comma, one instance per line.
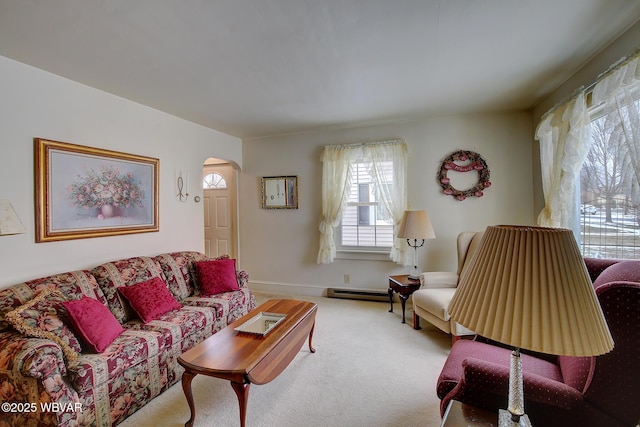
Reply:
x=217, y=276
x=93, y=322
x=150, y=299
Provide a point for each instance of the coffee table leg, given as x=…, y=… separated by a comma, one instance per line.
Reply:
x=187, y=377
x=391, y=300
x=242, y=391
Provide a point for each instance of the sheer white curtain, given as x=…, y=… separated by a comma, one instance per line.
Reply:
x=336, y=183
x=565, y=140
x=619, y=94
x=393, y=190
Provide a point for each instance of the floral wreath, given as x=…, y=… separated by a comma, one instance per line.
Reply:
x=477, y=163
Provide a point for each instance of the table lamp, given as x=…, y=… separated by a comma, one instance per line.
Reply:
x=415, y=225
x=528, y=288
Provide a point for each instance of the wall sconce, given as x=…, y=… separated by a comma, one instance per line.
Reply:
x=183, y=188
x=9, y=221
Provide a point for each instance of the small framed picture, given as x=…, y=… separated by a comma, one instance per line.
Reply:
x=280, y=192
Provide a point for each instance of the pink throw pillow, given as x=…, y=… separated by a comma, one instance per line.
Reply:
x=94, y=322
x=150, y=299
x=217, y=276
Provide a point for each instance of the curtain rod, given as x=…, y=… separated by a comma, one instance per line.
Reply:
x=367, y=144
x=589, y=88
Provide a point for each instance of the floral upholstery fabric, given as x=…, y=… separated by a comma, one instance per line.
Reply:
x=44, y=317
x=112, y=275
x=228, y=306
x=127, y=350
x=33, y=370
x=137, y=366
x=176, y=328
x=178, y=273
x=73, y=285
x=117, y=382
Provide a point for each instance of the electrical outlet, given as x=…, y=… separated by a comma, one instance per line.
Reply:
x=347, y=278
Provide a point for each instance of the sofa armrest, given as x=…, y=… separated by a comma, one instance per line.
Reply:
x=38, y=358
x=439, y=279
x=486, y=384
x=33, y=370
x=243, y=278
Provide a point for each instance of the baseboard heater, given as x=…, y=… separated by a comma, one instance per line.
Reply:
x=380, y=296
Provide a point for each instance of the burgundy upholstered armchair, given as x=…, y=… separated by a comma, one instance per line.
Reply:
x=600, y=391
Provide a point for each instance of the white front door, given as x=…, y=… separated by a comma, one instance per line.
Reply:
x=219, y=200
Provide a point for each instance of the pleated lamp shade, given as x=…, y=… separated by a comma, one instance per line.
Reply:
x=528, y=287
x=416, y=225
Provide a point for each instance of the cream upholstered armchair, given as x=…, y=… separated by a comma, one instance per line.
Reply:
x=431, y=301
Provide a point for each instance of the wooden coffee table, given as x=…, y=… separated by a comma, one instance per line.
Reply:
x=245, y=358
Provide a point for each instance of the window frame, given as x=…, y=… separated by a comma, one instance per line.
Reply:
x=596, y=112
x=362, y=251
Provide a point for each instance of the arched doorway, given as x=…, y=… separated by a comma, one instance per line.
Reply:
x=219, y=188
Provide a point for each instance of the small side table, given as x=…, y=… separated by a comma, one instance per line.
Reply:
x=460, y=414
x=404, y=287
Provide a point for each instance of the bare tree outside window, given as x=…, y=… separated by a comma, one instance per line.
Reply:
x=610, y=194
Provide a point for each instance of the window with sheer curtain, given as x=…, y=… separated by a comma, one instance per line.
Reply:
x=609, y=189
x=590, y=155
x=363, y=198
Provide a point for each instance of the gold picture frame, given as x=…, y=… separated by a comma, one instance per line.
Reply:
x=84, y=192
x=280, y=192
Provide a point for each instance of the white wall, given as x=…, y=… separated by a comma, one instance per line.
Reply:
x=279, y=247
x=35, y=103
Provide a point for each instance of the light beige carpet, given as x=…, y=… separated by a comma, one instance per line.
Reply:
x=369, y=370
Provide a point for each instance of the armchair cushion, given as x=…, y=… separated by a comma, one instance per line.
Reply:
x=435, y=301
x=497, y=360
x=478, y=373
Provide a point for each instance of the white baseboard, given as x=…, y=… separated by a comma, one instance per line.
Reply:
x=297, y=289
x=287, y=289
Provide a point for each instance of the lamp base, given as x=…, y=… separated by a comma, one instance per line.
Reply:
x=414, y=273
x=504, y=420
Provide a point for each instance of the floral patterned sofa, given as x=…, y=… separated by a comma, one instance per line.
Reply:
x=63, y=364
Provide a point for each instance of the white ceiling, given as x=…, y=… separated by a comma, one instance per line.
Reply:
x=262, y=67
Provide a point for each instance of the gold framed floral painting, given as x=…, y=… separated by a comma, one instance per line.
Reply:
x=84, y=192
